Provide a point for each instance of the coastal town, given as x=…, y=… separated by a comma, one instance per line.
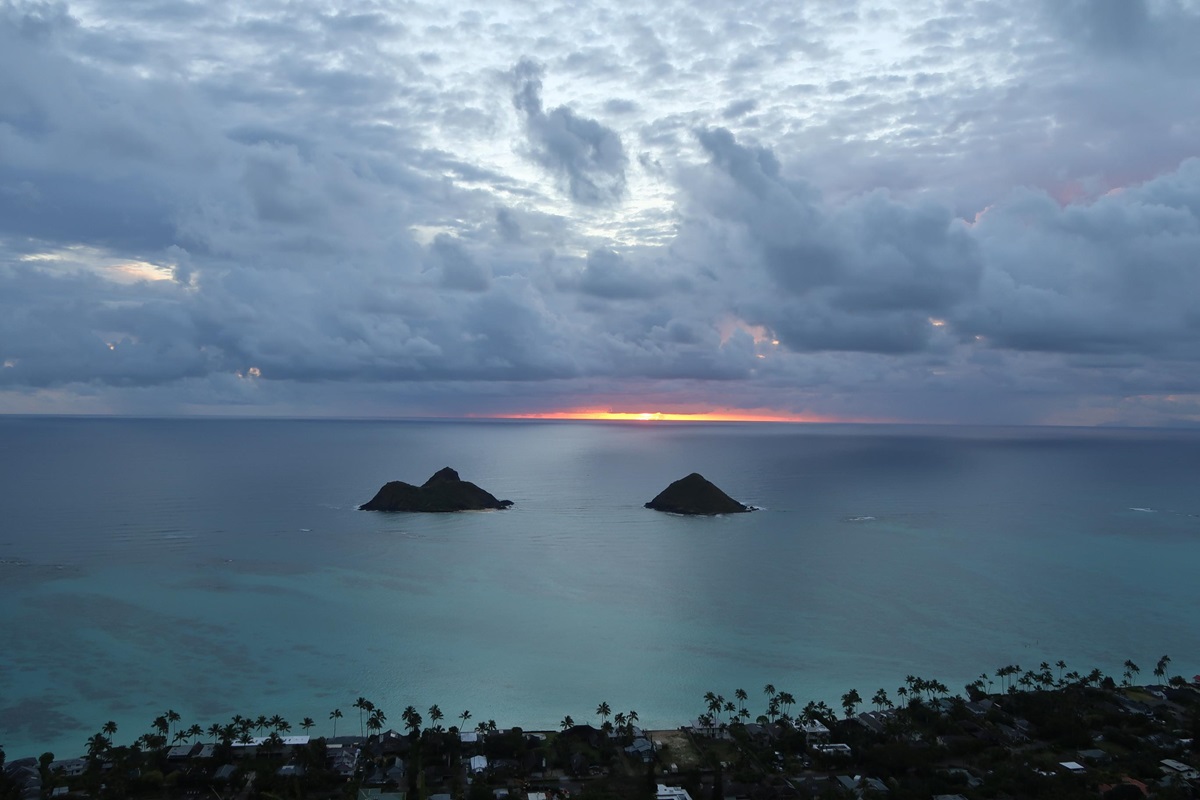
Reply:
x=1011, y=733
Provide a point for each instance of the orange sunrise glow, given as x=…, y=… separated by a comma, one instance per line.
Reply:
x=723, y=415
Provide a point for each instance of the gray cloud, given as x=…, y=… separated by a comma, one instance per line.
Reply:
x=584, y=153
x=989, y=213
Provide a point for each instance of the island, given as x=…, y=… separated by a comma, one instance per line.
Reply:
x=695, y=495
x=443, y=492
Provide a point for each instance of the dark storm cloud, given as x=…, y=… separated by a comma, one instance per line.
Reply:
x=588, y=156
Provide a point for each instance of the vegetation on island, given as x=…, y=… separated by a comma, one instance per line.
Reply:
x=1013, y=732
x=443, y=492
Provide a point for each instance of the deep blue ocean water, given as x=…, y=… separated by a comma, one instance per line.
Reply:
x=217, y=567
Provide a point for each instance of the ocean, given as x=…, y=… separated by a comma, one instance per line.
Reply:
x=220, y=567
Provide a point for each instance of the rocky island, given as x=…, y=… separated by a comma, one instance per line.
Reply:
x=443, y=492
x=697, y=496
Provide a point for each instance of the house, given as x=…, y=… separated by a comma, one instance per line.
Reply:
x=1092, y=756
x=671, y=793
x=708, y=729
x=1073, y=767
x=1177, y=768
x=859, y=786
x=833, y=750
x=478, y=764
x=980, y=708
x=814, y=732
x=69, y=767
x=1105, y=788
x=874, y=721
x=342, y=759
x=641, y=749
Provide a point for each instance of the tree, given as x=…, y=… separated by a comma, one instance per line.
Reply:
x=566, y=722
x=307, y=724
x=849, y=700
x=1131, y=669
x=96, y=746
x=1061, y=666
x=335, y=715
x=464, y=716
x=603, y=711
x=1160, y=669
x=880, y=700
x=412, y=720
x=375, y=720
x=172, y=717
x=161, y=725
x=787, y=700
x=435, y=716
x=363, y=704
x=214, y=731
x=741, y=696
x=110, y=728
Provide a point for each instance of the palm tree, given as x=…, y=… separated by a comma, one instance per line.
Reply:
x=849, y=700
x=1131, y=669
x=261, y=723
x=362, y=704
x=1061, y=666
x=787, y=700
x=214, y=731
x=603, y=711
x=1160, y=669
x=96, y=745
x=110, y=728
x=412, y=720
x=740, y=695
x=376, y=720
x=880, y=700
x=712, y=702
x=566, y=722
x=172, y=717
x=769, y=691
x=619, y=721
x=435, y=715
x=466, y=715
x=161, y=725
x=335, y=715
x=307, y=724
x=195, y=731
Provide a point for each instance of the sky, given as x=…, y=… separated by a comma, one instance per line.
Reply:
x=918, y=211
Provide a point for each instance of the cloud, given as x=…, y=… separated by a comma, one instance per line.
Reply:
x=457, y=268
x=864, y=276
x=589, y=157
x=989, y=213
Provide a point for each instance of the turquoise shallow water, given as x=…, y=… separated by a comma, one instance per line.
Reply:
x=220, y=567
